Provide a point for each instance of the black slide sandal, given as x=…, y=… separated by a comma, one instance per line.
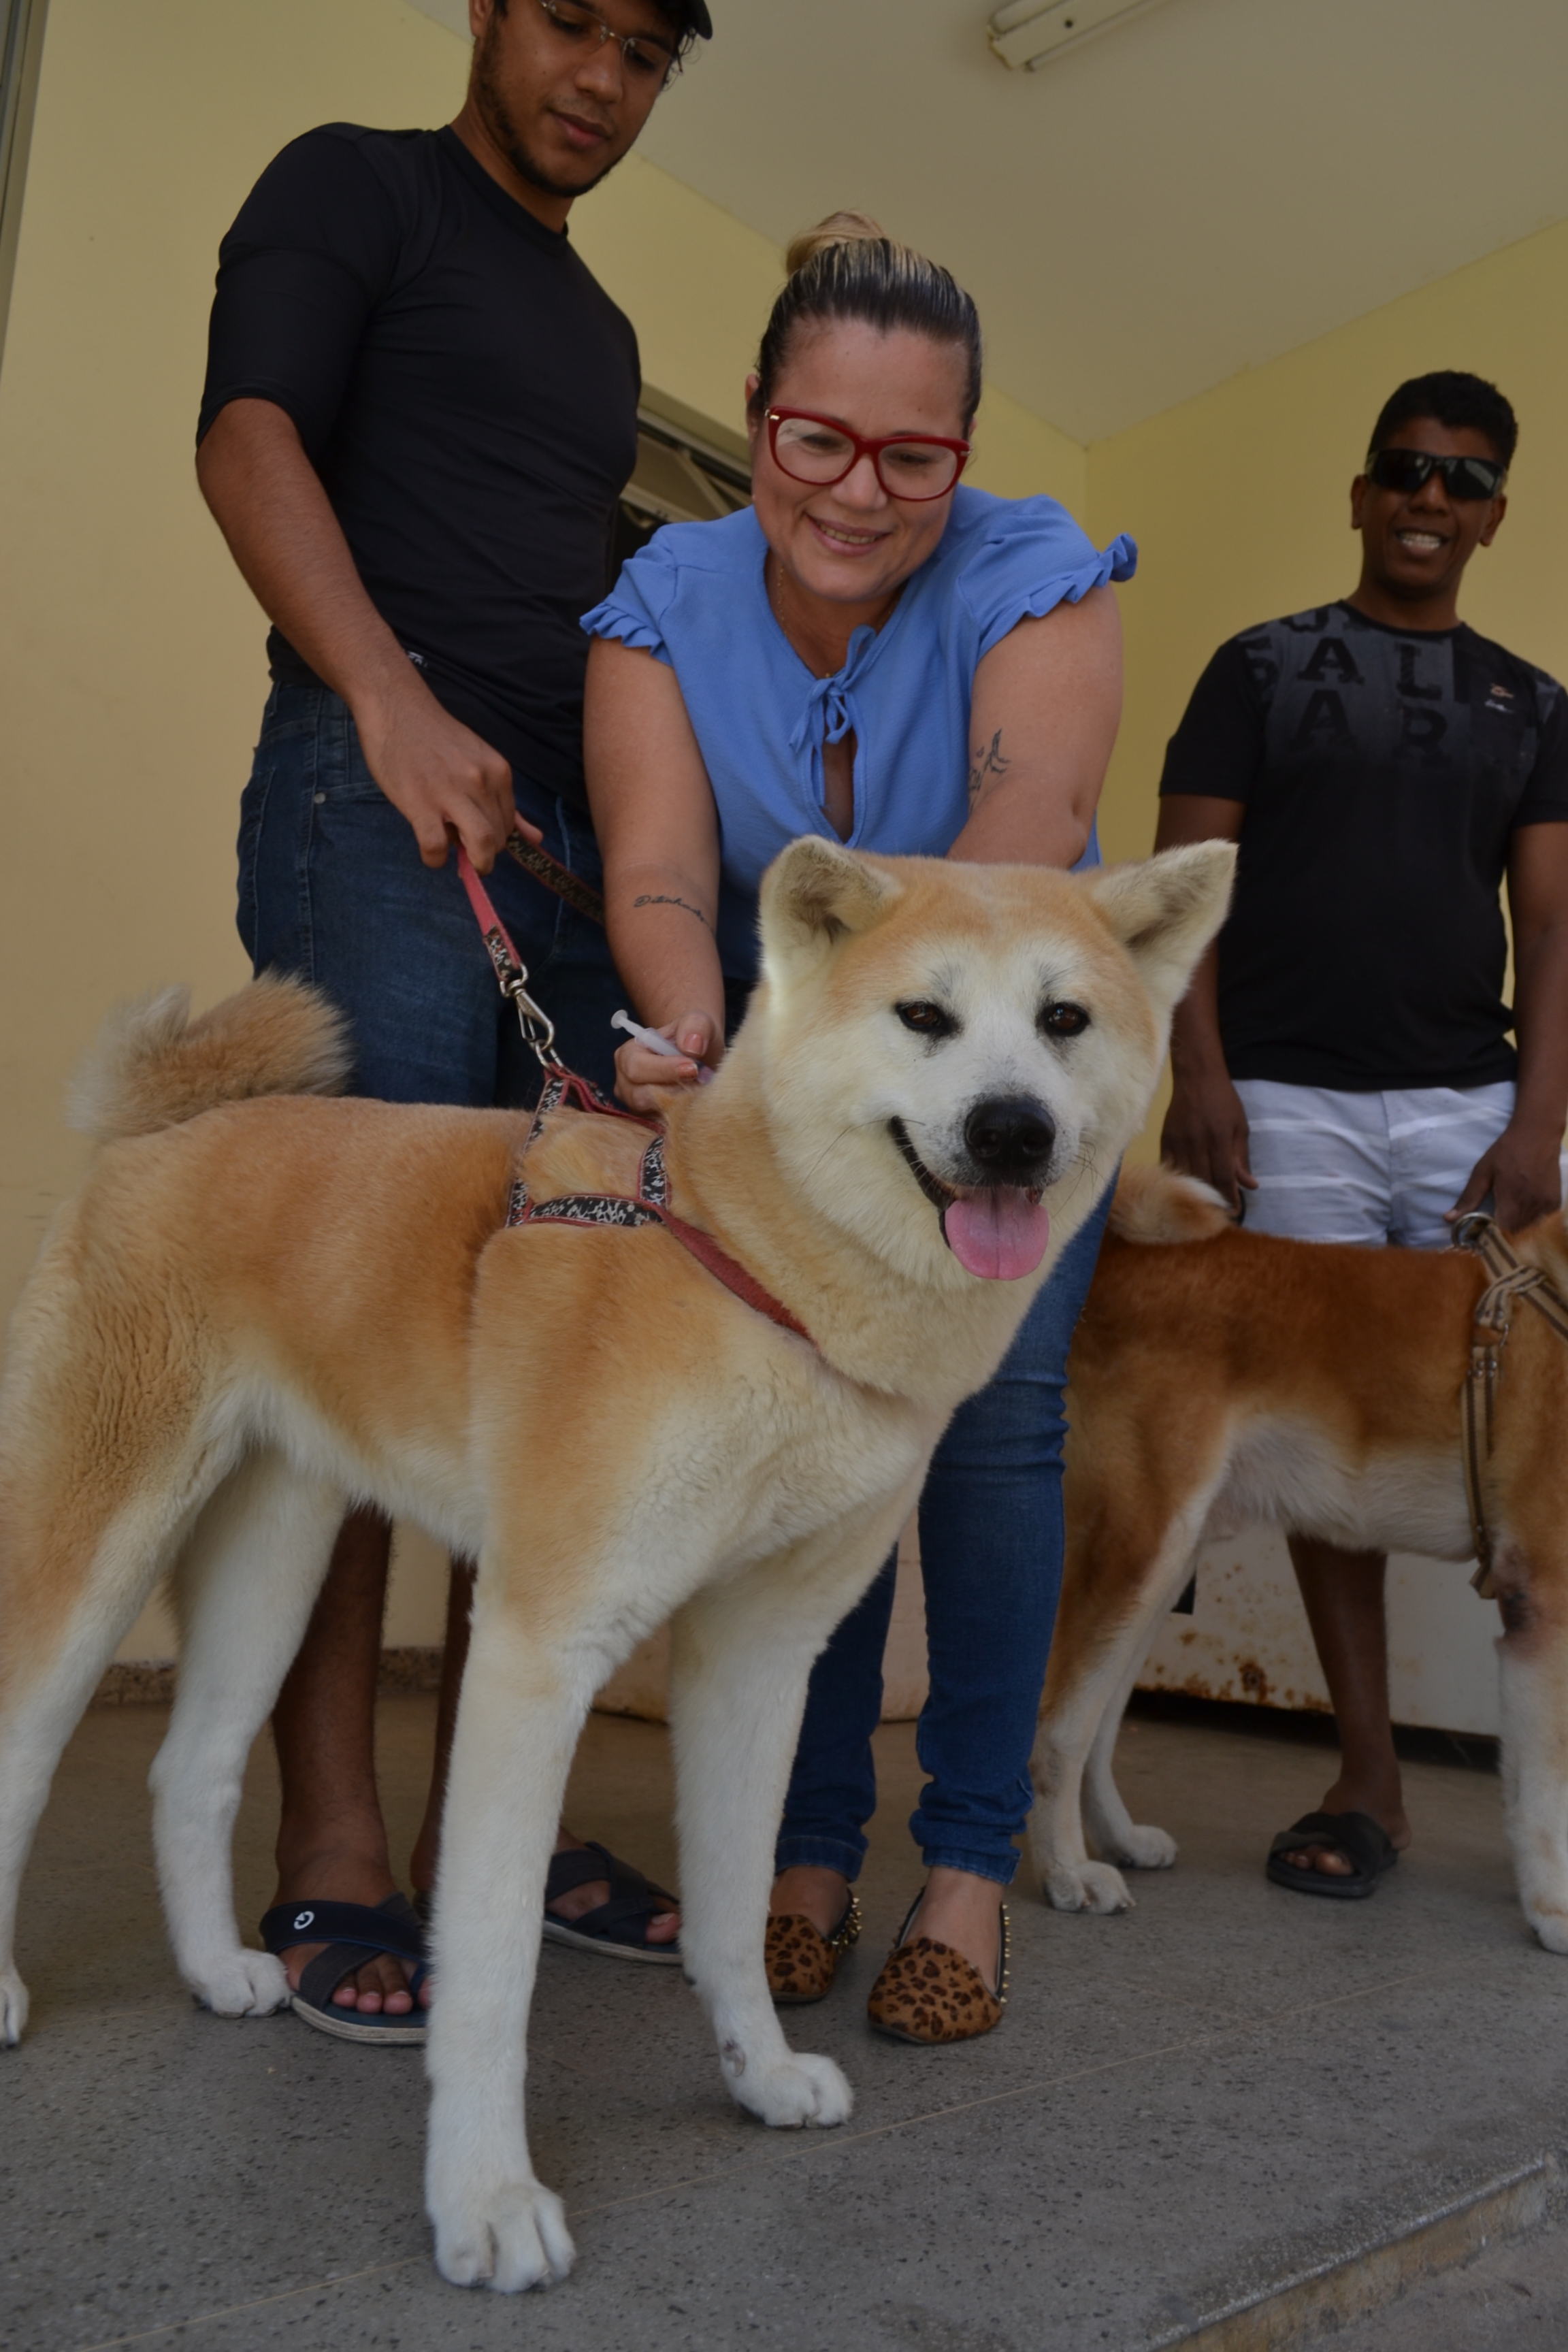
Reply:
x=1364, y=1843
x=351, y=1932
x=608, y=1929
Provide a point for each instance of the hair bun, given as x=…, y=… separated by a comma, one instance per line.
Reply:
x=847, y=267
x=839, y=229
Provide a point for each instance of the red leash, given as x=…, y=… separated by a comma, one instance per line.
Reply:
x=511, y=974
x=650, y=1202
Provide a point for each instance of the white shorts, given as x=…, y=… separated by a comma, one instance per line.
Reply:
x=1373, y=1167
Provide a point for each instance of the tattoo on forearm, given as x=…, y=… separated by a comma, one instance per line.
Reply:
x=657, y=898
x=985, y=764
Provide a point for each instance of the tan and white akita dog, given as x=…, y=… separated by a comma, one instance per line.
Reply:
x=250, y=1317
x=1221, y=1378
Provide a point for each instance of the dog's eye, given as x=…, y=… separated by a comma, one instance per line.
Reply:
x=927, y=1020
x=1064, y=1020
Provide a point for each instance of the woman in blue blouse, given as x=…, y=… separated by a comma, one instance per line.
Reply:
x=873, y=651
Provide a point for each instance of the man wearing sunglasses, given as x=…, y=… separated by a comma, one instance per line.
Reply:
x=1342, y=1066
x=419, y=414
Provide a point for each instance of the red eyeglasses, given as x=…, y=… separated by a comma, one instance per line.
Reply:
x=819, y=449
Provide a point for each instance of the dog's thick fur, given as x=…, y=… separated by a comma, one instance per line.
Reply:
x=1221, y=1378
x=247, y=1319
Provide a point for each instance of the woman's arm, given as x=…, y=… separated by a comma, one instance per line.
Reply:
x=658, y=830
x=1042, y=725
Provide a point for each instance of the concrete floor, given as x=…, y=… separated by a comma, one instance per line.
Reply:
x=1183, y=2108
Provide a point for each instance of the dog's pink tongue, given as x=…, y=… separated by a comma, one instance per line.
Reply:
x=1000, y=1233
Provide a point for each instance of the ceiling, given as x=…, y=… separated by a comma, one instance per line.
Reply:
x=1189, y=193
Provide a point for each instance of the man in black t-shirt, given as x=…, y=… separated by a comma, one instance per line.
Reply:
x=419, y=412
x=1342, y=1063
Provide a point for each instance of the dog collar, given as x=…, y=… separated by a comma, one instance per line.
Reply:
x=647, y=1206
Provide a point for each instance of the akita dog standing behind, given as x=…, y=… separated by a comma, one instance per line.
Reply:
x=1220, y=1379
x=252, y=1316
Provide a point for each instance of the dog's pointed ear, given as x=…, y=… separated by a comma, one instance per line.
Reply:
x=1166, y=910
x=814, y=892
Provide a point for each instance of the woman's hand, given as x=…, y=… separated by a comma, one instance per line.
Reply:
x=650, y=1082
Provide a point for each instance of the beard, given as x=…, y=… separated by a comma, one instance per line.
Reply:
x=501, y=124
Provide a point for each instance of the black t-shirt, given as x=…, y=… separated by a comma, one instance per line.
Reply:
x=1383, y=772
x=468, y=392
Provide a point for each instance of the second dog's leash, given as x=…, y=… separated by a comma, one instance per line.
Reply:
x=557, y=877
x=1511, y=1280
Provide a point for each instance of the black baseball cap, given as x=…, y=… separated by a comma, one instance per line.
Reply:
x=690, y=17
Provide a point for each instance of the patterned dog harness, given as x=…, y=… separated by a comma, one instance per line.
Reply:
x=564, y=1090
x=1511, y=1281
x=649, y=1205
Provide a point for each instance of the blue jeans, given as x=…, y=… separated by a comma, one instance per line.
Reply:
x=331, y=886
x=990, y=1561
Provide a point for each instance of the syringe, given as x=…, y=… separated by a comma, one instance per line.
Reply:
x=657, y=1044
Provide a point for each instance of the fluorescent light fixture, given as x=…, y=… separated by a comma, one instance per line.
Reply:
x=1027, y=34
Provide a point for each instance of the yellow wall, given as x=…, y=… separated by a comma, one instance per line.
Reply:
x=1239, y=500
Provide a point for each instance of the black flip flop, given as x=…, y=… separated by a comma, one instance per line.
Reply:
x=350, y=1931
x=618, y=1927
x=1364, y=1843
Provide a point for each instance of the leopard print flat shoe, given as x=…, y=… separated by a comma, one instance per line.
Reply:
x=801, y=1961
x=928, y=1993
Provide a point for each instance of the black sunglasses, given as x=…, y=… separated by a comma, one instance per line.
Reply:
x=1464, y=479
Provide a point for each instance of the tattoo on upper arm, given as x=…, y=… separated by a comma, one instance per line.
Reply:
x=657, y=898
x=987, y=763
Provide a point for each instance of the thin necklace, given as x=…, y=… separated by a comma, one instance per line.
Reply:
x=774, y=577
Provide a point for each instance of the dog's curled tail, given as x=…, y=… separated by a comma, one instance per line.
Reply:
x=1158, y=1204
x=152, y=1065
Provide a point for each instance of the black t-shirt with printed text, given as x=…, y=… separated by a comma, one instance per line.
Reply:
x=468, y=392
x=1384, y=774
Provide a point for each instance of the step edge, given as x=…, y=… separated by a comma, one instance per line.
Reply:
x=1297, y=2310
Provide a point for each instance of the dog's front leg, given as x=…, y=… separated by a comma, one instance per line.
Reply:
x=1533, y=1658
x=1115, y=1587
x=1070, y=1880
x=741, y=1657
x=522, y=1710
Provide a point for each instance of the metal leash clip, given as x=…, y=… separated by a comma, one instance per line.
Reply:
x=538, y=1029
x=512, y=973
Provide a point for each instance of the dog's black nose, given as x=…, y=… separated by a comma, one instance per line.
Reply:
x=1011, y=1138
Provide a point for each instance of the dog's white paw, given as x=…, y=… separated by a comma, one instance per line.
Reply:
x=1142, y=1846
x=1550, y=1921
x=511, y=2237
x=1087, y=1886
x=792, y=2091
x=242, y=1984
x=13, y=2008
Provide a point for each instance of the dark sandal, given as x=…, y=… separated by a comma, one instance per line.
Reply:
x=802, y=1962
x=350, y=1931
x=1364, y=1843
x=928, y=1994
x=618, y=1927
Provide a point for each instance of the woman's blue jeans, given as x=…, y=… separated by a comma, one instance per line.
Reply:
x=990, y=1561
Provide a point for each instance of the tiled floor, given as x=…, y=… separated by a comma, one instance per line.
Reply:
x=1181, y=2106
